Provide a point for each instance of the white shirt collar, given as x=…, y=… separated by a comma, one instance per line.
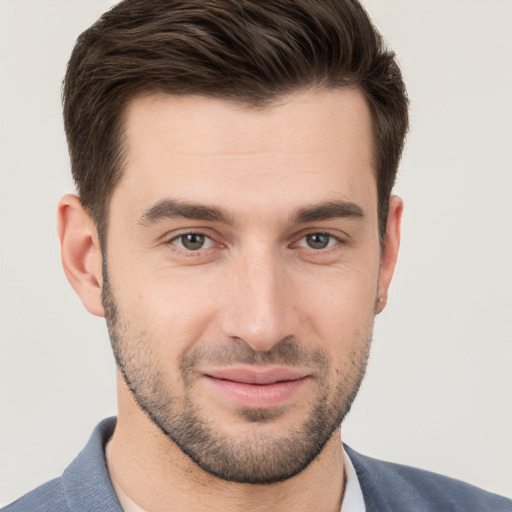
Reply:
x=353, y=500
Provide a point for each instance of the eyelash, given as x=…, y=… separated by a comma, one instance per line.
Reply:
x=182, y=236
x=332, y=241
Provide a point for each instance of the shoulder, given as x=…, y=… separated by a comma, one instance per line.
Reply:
x=389, y=486
x=48, y=497
x=84, y=485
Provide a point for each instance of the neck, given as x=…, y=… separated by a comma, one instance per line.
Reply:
x=154, y=473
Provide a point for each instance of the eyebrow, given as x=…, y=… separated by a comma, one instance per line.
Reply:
x=326, y=211
x=171, y=209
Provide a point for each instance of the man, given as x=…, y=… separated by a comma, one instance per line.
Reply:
x=236, y=228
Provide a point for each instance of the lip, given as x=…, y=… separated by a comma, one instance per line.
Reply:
x=257, y=388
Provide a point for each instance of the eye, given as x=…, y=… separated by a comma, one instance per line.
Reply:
x=193, y=241
x=317, y=241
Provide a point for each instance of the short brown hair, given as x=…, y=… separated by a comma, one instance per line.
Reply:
x=249, y=51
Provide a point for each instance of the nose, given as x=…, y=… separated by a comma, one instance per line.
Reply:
x=260, y=307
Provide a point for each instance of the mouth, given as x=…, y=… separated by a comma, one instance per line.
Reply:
x=256, y=388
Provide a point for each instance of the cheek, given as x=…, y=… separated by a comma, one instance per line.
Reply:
x=340, y=308
x=170, y=309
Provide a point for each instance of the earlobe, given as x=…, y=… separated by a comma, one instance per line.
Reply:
x=389, y=251
x=81, y=253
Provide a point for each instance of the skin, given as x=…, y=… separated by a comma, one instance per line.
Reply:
x=255, y=283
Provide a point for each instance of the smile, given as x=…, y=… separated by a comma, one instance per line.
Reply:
x=257, y=389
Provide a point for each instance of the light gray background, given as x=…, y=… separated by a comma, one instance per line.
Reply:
x=437, y=394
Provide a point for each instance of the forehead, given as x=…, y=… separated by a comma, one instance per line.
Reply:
x=205, y=125
x=316, y=142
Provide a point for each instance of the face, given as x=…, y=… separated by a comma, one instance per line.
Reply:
x=242, y=274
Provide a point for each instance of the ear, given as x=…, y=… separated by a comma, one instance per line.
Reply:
x=81, y=253
x=389, y=251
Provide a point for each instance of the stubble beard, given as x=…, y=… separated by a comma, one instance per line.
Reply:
x=255, y=458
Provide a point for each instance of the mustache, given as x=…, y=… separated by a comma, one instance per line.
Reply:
x=286, y=352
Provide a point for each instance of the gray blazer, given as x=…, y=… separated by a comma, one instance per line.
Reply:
x=85, y=486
